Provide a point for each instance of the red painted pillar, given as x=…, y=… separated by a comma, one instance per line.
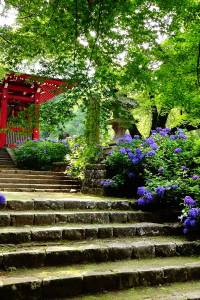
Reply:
x=4, y=108
x=36, y=101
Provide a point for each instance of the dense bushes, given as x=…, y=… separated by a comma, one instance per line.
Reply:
x=40, y=154
x=167, y=166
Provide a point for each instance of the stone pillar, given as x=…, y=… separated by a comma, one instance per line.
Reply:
x=37, y=102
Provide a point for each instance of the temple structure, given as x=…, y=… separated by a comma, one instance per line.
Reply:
x=16, y=93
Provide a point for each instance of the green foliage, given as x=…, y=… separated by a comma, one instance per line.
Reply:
x=40, y=154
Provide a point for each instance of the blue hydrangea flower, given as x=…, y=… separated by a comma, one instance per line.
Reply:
x=172, y=137
x=161, y=169
x=158, y=128
x=167, y=129
x=109, y=153
x=149, y=196
x=193, y=213
x=153, y=131
x=45, y=151
x=141, y=191
x=111, y=181
x=128, y=139
x=2, y=199
x=136, y=136
x=135, y=160
x=120, y=139
x=102, y=182
x=192, y=223
x=162, y=133
x=185, y=230
x=122, y=150
x=195, y=177
x=183, y=168
x=141, y=201
x=76, y=145
x=142, y=155
x=128, y=150
x=160, y=190
x=186, y=222
x=179, y=129
x=151, y=153
x=177, y=150
x=131, y=175
x=130, y=154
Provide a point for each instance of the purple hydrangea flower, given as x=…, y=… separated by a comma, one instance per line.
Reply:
x=177, y=150
x=137, y=151
x=2, y=199
x=120, y=139
x=183, y=136
x=150, y=141
x=195, y=177
x=141, y=191
x=185, y=230
x=109, y=153
x=142, y=155
x=128, y=150
x=172, y=137
x=131, y=175
x=154, y=146
x=102, y=182
x=140, y=201
x=158, y=128
x=136, y=136
x=67, y=167
x=167, y=129
x=122, y=150
x=161, y=169
x=193, y=212
x=111, y=181
x=189, y=201
x=45, y=151
x=153, y=131
x=174, y=186
x=76, y=145
x=128, y=139
x=183, y=168
x=162, y=133
x=179, y=129
x=149, y=196
x=160, y=190
x=151, y=153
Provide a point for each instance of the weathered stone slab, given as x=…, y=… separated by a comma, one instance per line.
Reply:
x=119, y=231
x=186, y=248
x=41, y=235
x=143, y=250
x=100, y=218
x=41, y=204
x=3, y=206
x=79, y=204
x=10, y=236
x=60, y=256
x=151, y=277
x=1, y=259
x=119, y=252
x=121, y=205
x=149, y=229
x=61, y=218
x=126, y=279
x=74, y=234
x=20, y=205
x=165, y=249
x=27, y=259
x=104, y=205
x=22, y=219
x=175, y=274
x=98, y=281
x=21, y=288
x=4, y=220
x=84, y=218
x=91, y=232
x=62, y=286
x=193, y=272
x=118, y=217
x=105, y=232
x=93, y=254
x=133, y=217
x=44, y=219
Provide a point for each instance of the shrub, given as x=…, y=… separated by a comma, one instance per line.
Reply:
x=40, y=154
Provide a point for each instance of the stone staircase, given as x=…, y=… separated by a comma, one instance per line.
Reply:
x=67, y=248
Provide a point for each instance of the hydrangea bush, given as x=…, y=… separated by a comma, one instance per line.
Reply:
x=168, y=165
x=40, y=154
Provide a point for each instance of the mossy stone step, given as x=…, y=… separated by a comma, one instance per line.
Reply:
x=86, y=279
x=75, y=232
x=95, y=217
x=69, y=255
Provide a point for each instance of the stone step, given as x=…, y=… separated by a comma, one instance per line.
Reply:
x=19, y=186
x=30, y=176
x=84, y=232
x=35, y=181
x=89, y=279
x=18, y=219
x=41, y=190
x=96, y=252
x=17, y=171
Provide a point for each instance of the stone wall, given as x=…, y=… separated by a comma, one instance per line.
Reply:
x=94, y=174
x=59, y=166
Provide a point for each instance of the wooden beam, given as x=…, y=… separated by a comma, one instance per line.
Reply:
x=29, y=99
x=20, y=88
